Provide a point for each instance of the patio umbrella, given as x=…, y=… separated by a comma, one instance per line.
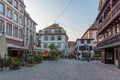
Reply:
x=31, y=45
x=3, y=46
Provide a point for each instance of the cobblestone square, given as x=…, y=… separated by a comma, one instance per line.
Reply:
x=64, y=69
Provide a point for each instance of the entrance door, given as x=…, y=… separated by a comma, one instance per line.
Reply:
x=109, y=56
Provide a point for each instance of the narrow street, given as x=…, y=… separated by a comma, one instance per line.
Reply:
x=64, y=69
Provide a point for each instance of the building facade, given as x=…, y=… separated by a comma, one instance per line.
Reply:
x=29, y=29
x=84, y=47
x=91, y=33
x=56, y=35
x=108, y=21
x=13, y=24
x=71, y=47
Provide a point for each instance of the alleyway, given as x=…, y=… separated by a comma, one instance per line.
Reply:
x=64, y=69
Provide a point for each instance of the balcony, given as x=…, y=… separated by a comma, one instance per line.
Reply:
x=52, y=33
x=105, y=22
x=116, y=9
x=114, y=12
x=111, y=41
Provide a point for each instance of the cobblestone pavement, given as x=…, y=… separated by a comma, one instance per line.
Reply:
x=64, y=69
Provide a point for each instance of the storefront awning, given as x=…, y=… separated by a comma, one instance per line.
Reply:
x=15, y=46
x=38, y=49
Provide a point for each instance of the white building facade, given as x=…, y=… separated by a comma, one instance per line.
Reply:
x=14, y=22
x=71, y=48
x=85, y=46
x=56, y=35
x=29, y=29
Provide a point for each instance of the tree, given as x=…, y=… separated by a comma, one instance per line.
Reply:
x=38, y=44
x=52, y=47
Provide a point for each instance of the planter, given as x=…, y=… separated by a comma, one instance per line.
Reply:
x=29, y=65
x=12, y=67
x=35, y=62
x=15, y=64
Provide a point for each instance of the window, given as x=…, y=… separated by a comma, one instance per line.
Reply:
x=106, y=35
x=109, y=56
x=46, y=31
x=82, y=48
x=20, y=33
x=10, y=1
x=52, y=38
x=45, y=38
x=33, y=26
x=59, y=38
x=55, y=31
x=16, y=4
x=45, y=45
x=9, y=29
x=26, y=42
x=88, y=41
x=21, y=0
x=33, y=34
x=109, y=32
x=49, y=31
x=59, y=31
x=27, y=22
x=9, y=13
x=82, y=41
x=2, y=8
x=15, y=17
x=15, y=32
x=116, y=54
x=26, y=32
x=114, y=29
x=1, y=25
x=21, y=8
x=59, y=45
x=90, y=48
x=20, y=21
x=118, y=28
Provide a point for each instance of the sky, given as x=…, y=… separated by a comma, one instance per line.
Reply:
x=76, y=19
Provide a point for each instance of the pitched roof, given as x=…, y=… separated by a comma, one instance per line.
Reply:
x=94, y=26
x=54, y=26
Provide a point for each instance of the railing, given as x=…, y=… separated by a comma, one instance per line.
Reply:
x=110, y=15
x=106, y=20
x=113, y=39
x=50, y=33
x=116, y=9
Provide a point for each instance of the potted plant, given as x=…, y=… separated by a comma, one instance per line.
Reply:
x=30, y=61
x=6, y=61
x=15, y=65
x=53, y=56
x=37, y=58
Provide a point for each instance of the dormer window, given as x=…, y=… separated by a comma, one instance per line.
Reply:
x=59, y=31
x=46, y=31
